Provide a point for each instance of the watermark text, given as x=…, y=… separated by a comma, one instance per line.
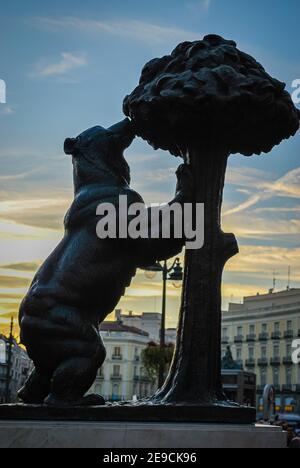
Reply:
x=296, y=352
x=296, y=93
x=166, y=221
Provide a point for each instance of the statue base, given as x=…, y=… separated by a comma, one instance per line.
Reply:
x=126, y=435
x=141, y=412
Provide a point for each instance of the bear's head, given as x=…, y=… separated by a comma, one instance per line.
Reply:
x=98, y=154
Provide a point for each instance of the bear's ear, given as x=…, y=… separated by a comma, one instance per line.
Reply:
x=69, y=145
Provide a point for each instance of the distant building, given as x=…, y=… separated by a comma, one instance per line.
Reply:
x=123, y=376
x=149, y=322
x=20, y=368
x=260, y=332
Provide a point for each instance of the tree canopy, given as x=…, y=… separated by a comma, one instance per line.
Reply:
x=210, y=89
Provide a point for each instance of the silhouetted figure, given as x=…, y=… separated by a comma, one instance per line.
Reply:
x=84, y=278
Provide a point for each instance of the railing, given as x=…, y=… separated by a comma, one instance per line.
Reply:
x=275, y=361
x=263, y=362
x=263, y=336
x=289, y=334
x=276, y=335
x=287, y=388
x=239, y=339
x=116, y=377
x=287, y=361
x=250, y=362
x=225, y=340
x=116, y=357
x=260, y=388
x=251, y=338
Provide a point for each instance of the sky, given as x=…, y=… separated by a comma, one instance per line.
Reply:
x=68, y=65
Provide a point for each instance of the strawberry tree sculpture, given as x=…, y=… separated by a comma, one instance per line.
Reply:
x=204, y=102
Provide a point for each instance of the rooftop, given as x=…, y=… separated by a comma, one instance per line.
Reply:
x=120, y=327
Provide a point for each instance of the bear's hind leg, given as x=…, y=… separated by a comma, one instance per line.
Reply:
x=36, y=388
x=70, y=382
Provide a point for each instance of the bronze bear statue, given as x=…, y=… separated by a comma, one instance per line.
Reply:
x=84, y=278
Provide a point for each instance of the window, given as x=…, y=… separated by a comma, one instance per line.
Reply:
x=251, y=353
x=252, y=329
x=289, y=376
x=289, y=351
x=224, y=332
x=263, y=377
x=264, y=352
x=277, y=327
x=240, y=331
x=115, y=392
x=264, y=328
x=276, y=351
x=239, y=354
x=276, y=381
x=289, y=325
x=117, y=352
x=116, y=371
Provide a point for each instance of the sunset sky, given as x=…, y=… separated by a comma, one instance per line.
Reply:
x=68, y=65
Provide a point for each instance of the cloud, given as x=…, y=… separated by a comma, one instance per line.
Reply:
x=13, y=282
x=264, y=229
x=67, y=63
x=41, y=213
x=287, y=186
x=23, y=266
x=129, y=29
x=23, y=175
x=7, y=110
x=200, y=5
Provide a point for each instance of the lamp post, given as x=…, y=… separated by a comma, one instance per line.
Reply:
x=174, y=274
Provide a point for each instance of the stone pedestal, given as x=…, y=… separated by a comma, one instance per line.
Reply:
x=113, y=435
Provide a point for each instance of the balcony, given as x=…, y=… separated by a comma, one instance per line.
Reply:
x=289, y=334
x=116, y=377
x=238, y=339
x=136, y=358
x=276, y=335
x=263, y=362
x=250, y=363
x=287, y=389
x=225, y=340
x=275, y=361
x=263, y=336
x=287, y=361
x=117, y=357
x=251, y=338
x=260, y=388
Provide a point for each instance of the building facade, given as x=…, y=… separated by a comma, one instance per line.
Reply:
x=261, y=332
x=123, y=377
x=149, y=322
x=20, y=369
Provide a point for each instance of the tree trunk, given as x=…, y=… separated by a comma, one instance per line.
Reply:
x=195, y=374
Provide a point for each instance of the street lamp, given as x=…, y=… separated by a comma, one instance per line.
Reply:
x=174, y=274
